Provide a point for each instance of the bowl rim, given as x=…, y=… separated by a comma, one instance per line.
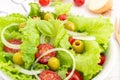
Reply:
x=111, y=59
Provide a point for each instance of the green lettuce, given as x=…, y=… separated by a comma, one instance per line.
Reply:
x=45, y=27
x=34, y=10
x=59, y=31
x=97, y=27
x=63, y=71
x=64, y=58
x=13, y=72
x=6, y=64
x=63, y=8
x=87, y=62
x=30, y=41
x=7, y=20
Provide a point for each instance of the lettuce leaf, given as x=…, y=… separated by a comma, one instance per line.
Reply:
x=59, y=31
x=64, y=43
x=34, y=10
x=13, y=72
x=5, y=58
x=63, y=8
x=87, y=62
x=30, y=39
x=45, y=27
x=7, y=20
x=63, y=71
x=97, y=27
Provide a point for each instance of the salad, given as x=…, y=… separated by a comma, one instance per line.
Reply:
x=53, y=45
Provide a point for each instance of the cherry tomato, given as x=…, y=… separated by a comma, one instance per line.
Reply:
x=62, y=17
x=44, y=2
x=102, y=59
x=49, y=75
x=76, y=75
x=43, y=48
x=79, y=2
x=71, y=40
x=12, y=41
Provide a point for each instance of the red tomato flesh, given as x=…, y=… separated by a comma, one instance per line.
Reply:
x=49, y=75
x=44, y=2
x=76, y=75
x=43, y=48
x=71, y=40
x=79, y=2
x=12, y=41
x=102, y=59
x=62, y=17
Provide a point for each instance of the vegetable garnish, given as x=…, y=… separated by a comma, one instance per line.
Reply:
x=5, y=42
x=80, y=36
x=28, y=72
x=13, y=41
x=85, y=37
x=52, y=50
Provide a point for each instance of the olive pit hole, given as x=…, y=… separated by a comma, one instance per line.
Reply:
x=77, y=43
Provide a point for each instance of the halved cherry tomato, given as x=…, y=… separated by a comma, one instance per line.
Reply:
x=76, y=75
x=44, y=2
x=12, y=41
x=49, y=75
x=102, y=59
x=71, y=40
x=79, y=2
x=43, y=48
x=62, y=17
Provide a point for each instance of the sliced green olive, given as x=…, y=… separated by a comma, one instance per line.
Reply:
x=53, y=63
x=17, y=58
x=78, y=46
x=48, y=16
x=69, y=25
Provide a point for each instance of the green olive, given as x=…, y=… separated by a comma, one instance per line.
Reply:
x=21, y=25
x=48, y=16
x=17, y=58
x=69, y=25
x=78, y=46
x=53, y=63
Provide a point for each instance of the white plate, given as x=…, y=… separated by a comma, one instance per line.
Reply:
x=113, y=51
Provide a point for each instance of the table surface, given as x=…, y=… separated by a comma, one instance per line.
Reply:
x=21, y=6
